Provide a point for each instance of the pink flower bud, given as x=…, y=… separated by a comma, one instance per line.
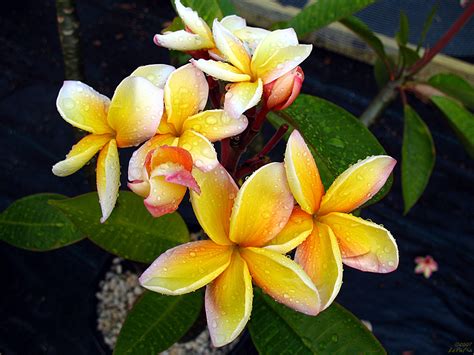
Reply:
x=280, y=93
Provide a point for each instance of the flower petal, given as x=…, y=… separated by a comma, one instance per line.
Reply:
x=229, y=302
x=233, y=22
x=282, y=279
x=164, y=196
x=357, y=184
x=320, y=257
x=135, y=111
x=81, y=153
x=108, y=178
x=302, y=174
x=203, y=152
x=231, y=47
x=186, y=267
x=216, y=124
x=185, y=94
x=181, y=41
x=83, y=107
x=196, y=24
x=242, y=96
x=251, y=36
x=220, y=70
x=297, y=229
x=156, y=73
x=364, y=245
x=282, y=61
x=213, y=206
x=262, y=207
x=140, y=187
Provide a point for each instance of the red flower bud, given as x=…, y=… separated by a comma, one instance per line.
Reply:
x=280, y=93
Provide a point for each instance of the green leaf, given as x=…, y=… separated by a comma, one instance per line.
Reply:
x=156, y=322
x=130, y=232
x=418, y=157
x=409, y=56
x=454, y=86
x=322, y=12
x=208, y=10
x=402, y=34
x=381, y=74
x=336, y=138
x=427, y=25
x=31, y=223
x=227, y=7
x=460, y=119
x=365, y=33
x=276, y=329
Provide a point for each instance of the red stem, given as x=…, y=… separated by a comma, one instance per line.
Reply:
x=443, y=41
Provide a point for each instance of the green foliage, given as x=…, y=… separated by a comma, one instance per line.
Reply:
x=418, y=157
x=276, y=329
x=409, y=56
x=427, y=25
x=156, y=322
x=322, y=12
x=381, y=74
x=460, y=119
x=403, y=30
x=227, y=7
x=130, y=232
x=337, y=139
x=454, y=86
x=31, y=223
x=208, y=10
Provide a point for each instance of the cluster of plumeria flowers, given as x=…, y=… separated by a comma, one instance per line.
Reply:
x=251, y=229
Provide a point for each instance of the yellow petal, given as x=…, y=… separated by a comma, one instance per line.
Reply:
x=185, y=94
x=283, y=279
x=165, y=127
x=357, y=185
x=156, y=73
x=302, y=173
x=270, y=43
x=299, y=226
x=320, y=258
x=282, y=61
x=186, y=268
x=251, y=36
x=233, y=23
x=196, y=24
x=135, y=111
x=108, y=178
x=229, y=302
x=220, y=70
x=242, y=96
x=182, y=41
x=231, y=47
x=364, y=245
x=216, y=124
x=213, y=206
x=262, y=207
x=81, y=153
x=83, y=107
x=164, y=197
x=203, y=152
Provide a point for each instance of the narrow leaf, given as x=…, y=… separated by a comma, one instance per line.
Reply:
x=381, y=74
x=410, y=56
x=427, y=25
x=130, y=232
x=402, y=34
x=454, y=86
x=156, y=322
x=418, y=157
x=31, y=223
x=321, y=13
x=276, y=329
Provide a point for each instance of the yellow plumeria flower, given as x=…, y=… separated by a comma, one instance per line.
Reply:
x=337, y=236
x=131, y=117
x=278, y=53
x=241, y=225
x=183, y=125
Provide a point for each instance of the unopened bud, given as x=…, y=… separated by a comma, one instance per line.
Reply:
x=280, y=93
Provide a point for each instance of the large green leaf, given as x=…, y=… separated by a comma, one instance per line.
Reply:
x=276, y=329
x=336, y=138
x=156, y=322
x=322, y=12
x=130, y=232
x=208, y=10
x=31, y=223
x=418, y=157
x=460, y=119
x=454, y=86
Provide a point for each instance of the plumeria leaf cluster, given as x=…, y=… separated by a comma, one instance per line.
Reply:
x=276, y=233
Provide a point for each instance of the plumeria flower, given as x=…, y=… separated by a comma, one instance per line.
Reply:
x=131, y=117
x=241, y=225
x=277, y=53
x=337, y=236
x=282, y=92
x=184, y=126
x=425, y=265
